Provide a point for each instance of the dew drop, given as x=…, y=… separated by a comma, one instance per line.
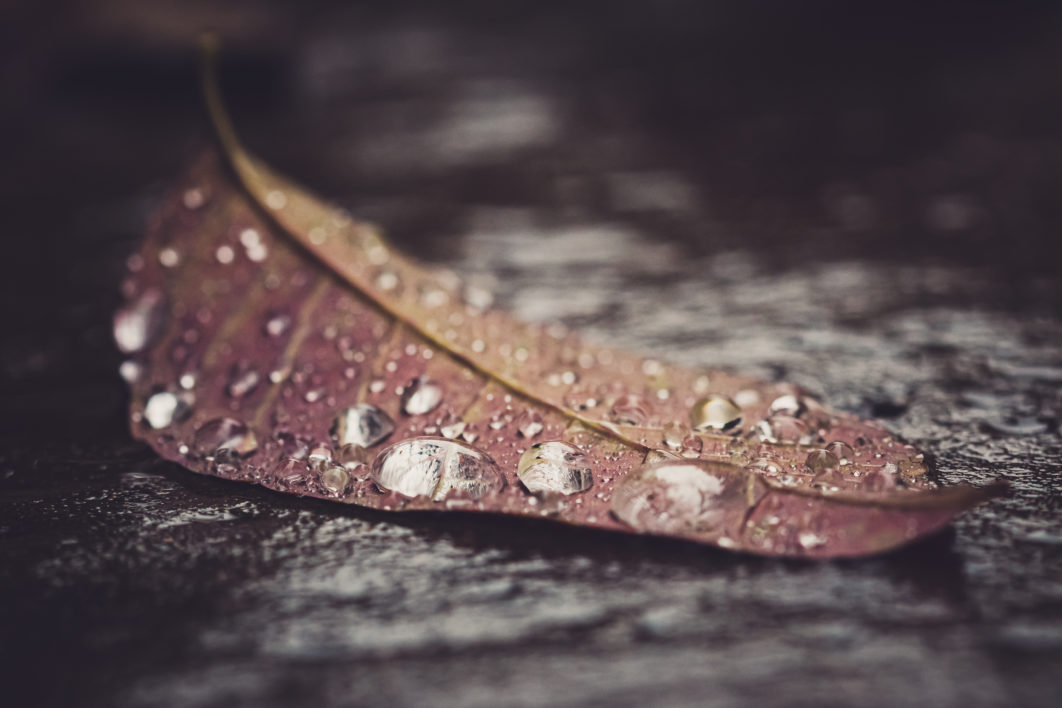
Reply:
x=165, y=408
x=387, y=280
x=242, y=380
x=708, y=500
x=131, y=371
x=692, y=445
x=554, y=466
x=352, y=456
x=629, y=410
x=435, y=467
x=276, y=324
x=362, y=424
x=225, y=254
x=528, y=424
x=421, y=396
x=782, y=429
x=765, y=465
x=787, y=404
x=821, y=460
x=672, y=436
x=335, y=479
x=224, y=434
x=138, y=324
x=842, y=451
x=276, y=199
x=453, y=430
x=716, y=413
x=169, y=258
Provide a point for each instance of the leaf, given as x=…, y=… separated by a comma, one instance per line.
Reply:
x=277, y=340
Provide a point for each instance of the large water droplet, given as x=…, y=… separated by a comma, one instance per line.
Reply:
x=421, y=396
x=362, y=424
x=165, y=408
x=709, y=500
x=224, y=434
x=138, y=324
x=716, y=413
x=554, y=466
x=434, y=467
x=528, y=424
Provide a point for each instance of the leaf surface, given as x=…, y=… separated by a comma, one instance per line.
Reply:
x=275, y=339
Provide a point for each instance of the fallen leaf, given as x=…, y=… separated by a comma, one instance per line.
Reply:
x=275, y=339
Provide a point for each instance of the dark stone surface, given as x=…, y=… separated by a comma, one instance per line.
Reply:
x=863, y=200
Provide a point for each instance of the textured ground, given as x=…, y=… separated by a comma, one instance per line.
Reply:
x=866, y=205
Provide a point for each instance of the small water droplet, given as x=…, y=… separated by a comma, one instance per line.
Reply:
x=821, y=460
x=842, y=451
x=352, y=456
x=242, y=380
x=131, y=371
x=765, y=465
x=672, y=436
x=166, y=408
x=362, y=424
x=387, y=280
x=554, y=466
x=692, y=445
x=787, y=404
x=138, y=324
x=169, y=258
x=435, y=467
x=335, y=479
x=224, y=434
x=193, y=198
x=421, y=396
x=782, y=429
x=276, y=199
x=528, y=424
x=276, y=324
x=319, y=454
x=715, y=413
x=225, y=254
x=453, y=429
x=630, y=410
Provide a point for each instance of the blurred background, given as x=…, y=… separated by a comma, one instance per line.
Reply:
x=862, y=198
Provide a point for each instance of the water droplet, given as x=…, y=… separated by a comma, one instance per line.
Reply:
x=692, y=445
x=169, y=258
x=842, y=451
x=704, y=499
x=276, y=200
x=434, y=467
x=165, y=408
x=716, y=413
x=140, y=322
x=319, y=454
x=554, y=466
x=335, y=479
x=131, y=371
x=225, y=254
x=187, y=381
x=747, y=397
x=765, y=465
x=224, y=434
x=453, y=430
x=362, y=424
x=352, y=456
x=672, y=436
x=193, y=198
x=821, y=460
x=528, y=424
x=782, y=429
x=630, y=410
x=882, y=479
x=787, y=404
x=421, y=396
x=242, y=380
x=276, y=324
x=387, y=280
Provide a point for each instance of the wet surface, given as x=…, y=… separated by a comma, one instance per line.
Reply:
x=786, y=195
